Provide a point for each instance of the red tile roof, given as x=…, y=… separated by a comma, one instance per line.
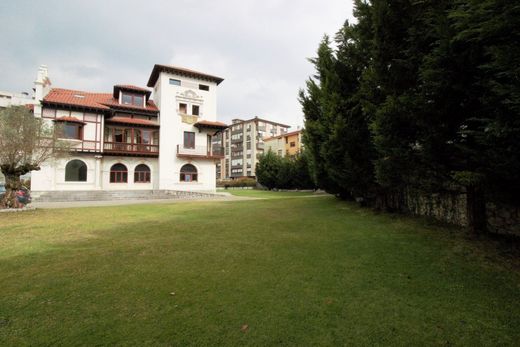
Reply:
x=69, y=119
x=158, y=68
x=128, y=120
x=283, y=135
x=99, y=101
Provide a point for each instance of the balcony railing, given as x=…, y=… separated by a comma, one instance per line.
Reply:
x=213, y=152
x=131, y=148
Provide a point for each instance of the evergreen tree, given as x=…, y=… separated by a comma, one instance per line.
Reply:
x=268, y=170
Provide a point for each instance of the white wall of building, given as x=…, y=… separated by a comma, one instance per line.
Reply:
x=52, y=174
x=172, y=130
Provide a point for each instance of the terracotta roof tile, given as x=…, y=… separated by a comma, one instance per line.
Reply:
x=69, y=119
x=100, y=101
x=283, y=135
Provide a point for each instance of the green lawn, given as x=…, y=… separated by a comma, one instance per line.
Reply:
x=298, y=271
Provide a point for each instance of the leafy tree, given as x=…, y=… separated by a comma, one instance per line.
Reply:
x=268, y=170
x=419, y=95
x=273, y=171
x=25, y=143
x=337, y=132
x=301, y=176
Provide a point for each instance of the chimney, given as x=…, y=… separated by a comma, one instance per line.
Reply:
x=42, y=86
x=42, y=83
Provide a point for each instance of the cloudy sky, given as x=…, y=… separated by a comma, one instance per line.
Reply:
x=259, y=46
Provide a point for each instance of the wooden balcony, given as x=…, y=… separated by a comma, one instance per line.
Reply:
x=201, y=152
x=131, y=149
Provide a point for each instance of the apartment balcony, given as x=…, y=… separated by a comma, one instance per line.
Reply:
x=131, y=149
x=240, y=140
x=200, y=152
x=238, y=131
x=260, y=145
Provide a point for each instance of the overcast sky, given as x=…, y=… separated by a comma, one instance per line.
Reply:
x=259, y=46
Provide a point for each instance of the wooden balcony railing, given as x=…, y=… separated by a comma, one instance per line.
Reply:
x=131, y=148
x=213, y=152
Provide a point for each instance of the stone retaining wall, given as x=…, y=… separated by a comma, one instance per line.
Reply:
x=450, y=207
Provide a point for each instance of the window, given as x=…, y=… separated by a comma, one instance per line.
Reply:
x=183, y=108
x=142, y=174
x=72, y=131
x=195, y=110
x=175, y=82
x=203, y=87
x=132, y=99
x=189, y=139
x=76, y=171
x=280, y=152
x=188, y=173
x=286, y=140
x=122, y=135
x=293, y=144
x=118, y=174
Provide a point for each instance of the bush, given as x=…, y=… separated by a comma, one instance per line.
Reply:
x=273, y=171
x=242, y=182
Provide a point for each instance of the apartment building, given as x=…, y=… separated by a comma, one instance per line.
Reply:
x=8, y=99
x=127, y=140
x=243, y=142
x=288, y=144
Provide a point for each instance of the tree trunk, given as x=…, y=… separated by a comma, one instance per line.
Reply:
x=12, y=185
x=476, y=209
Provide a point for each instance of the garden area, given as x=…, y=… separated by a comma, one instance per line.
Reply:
x=289, y=269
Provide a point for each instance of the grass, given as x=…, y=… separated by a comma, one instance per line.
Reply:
x=300, y=271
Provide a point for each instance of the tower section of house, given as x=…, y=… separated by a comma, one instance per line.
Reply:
x=188, y=128
x=289, y=144
x=244, y=144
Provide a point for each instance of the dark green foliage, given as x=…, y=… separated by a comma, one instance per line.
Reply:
x=336, y=128
x=422, y=95
x=268, y=170
x=273, y=171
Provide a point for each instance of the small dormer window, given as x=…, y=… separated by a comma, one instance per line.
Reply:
x=132, y=99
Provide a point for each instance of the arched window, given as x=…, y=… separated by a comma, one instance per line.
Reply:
x=118, y=174
x=188, y=173
x=142, y=174
x=76, y=171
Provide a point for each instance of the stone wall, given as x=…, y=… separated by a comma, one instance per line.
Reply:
x=450, y=207
x=503, y=219
x=446, y=207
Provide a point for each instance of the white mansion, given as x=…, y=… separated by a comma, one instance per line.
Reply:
x=124, y=140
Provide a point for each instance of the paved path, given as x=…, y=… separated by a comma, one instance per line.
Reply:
x=73, y=204
x=220, y=196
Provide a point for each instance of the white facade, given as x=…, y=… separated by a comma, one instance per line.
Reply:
x=103, y=120
x=174, y=122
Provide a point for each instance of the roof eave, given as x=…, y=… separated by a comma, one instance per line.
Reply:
x=158, y=68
